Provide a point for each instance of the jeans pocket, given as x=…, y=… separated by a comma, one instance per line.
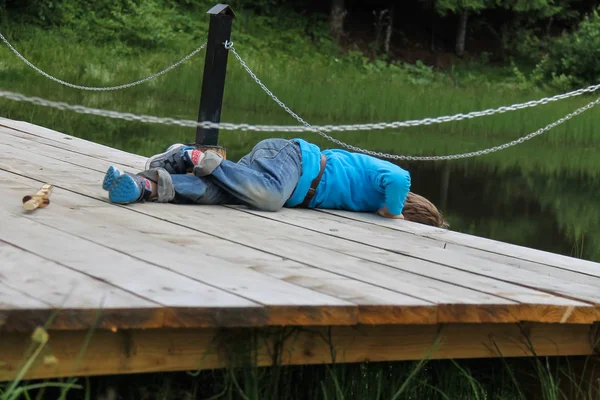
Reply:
x=268, y=149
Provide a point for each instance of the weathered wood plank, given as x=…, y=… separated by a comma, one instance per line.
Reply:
x=476, y=242
x=72, y=300
x=199, y=349
x=36, y=276
x=139, y=236
x=195, y=244
x=405, y=283
x=14, y=304
x=263, y=236
x=563, y=275
x=552, y=280
x=214, y=306
x=48, y=136
x=561, y=313
x=69, y=154
x=105, y=264
x=13, y=299
x=287, y=303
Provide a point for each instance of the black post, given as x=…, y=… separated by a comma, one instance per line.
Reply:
x=215, y=68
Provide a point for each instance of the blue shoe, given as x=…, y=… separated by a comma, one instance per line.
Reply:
x=111, y=176
x=173, y=160
x=129, y=188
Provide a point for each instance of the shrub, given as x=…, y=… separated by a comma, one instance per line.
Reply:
x=573, y=60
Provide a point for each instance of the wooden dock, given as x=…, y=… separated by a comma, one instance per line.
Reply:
x=156, y=287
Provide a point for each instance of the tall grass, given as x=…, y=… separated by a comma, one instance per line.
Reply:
x=322, y=89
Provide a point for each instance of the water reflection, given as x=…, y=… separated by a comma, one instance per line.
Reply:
x=553, y=212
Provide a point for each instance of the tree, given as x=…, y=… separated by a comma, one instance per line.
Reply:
x=532, y=12
x=336, y=18
x=461, y=8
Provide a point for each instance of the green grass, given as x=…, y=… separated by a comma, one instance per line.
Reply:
x=318, y=88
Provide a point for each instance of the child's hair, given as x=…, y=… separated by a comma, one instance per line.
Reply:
x=419, y=209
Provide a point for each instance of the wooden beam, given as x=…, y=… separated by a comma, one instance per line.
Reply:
x=160, y=350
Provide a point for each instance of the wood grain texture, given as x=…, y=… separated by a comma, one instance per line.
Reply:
x=287, y=303
x=73, y=301
x=15, y=306
x=476, y=242
x=334, y=273
x=124, y=271
x=263, y=235
x=45, y=148
x=152, y=350
x=539, y=286
x=74, y=144
x=484, y=308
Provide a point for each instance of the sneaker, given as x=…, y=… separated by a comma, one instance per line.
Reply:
x=111, y=176
x=173, y=160
x=129, y=188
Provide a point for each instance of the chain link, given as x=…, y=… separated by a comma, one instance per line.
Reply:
x=409, y=123
x=273, y=128
x=422, y=122
x=107, y=88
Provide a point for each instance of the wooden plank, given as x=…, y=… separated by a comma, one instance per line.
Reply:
x=560, y=314
x=556, y=281
x=560, y=274
x=160, y=350
x=70, y=154
x=287, y=303
x=476, y=242
x=131, y=233
x=262, y=234
x=84, y=146
x=105, y=264
x=457, y=300
x=11, y=299
x=197, y=245
x=376, y=305
x=130, y=274
x=13, y=303
x=74, y=300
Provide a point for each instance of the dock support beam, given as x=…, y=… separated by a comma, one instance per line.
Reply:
x=213, y=81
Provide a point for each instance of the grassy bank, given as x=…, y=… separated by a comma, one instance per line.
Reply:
x=320, y=87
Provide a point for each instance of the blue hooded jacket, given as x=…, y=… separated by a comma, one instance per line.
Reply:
x=351, y=181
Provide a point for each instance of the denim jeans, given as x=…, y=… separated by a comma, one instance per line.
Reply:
x=263, y=179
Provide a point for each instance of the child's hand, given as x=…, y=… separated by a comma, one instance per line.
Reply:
x=383, y=212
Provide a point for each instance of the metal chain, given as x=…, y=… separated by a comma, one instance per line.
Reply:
x=411, y=123
x=316, y=129
x=272, y=128
x=106, y=88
